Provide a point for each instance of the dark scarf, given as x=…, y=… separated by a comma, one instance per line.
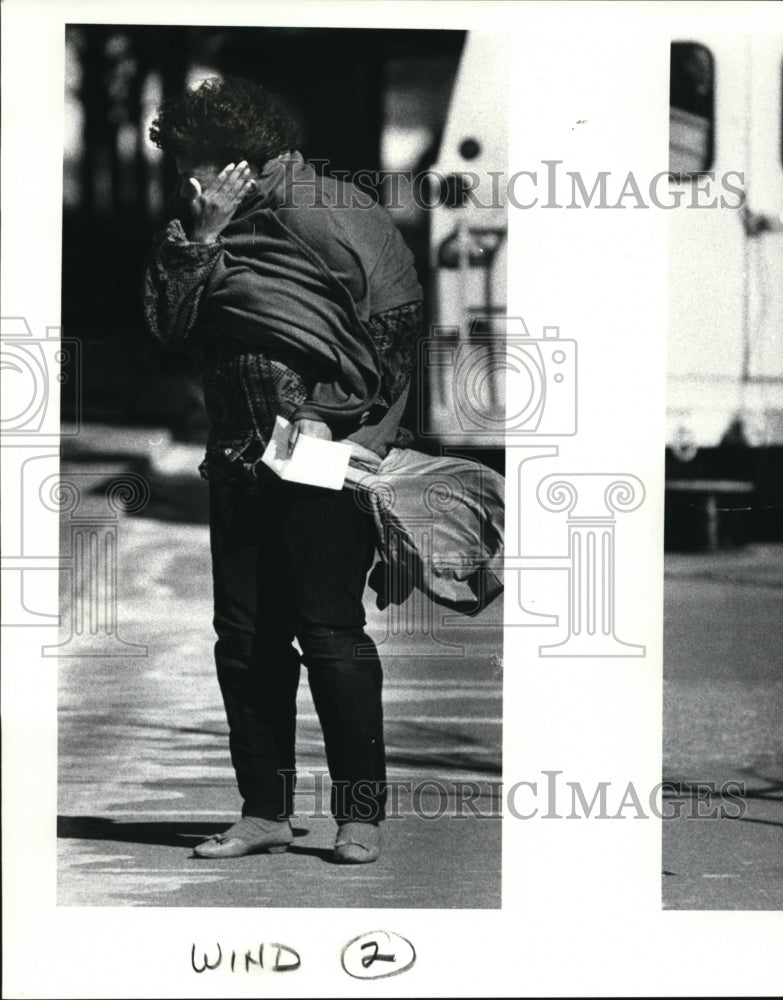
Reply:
x=270, y=290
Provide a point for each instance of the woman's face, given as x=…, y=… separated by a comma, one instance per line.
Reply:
x=204, y=173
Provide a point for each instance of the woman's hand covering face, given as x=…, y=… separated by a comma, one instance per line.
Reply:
x=213, y=202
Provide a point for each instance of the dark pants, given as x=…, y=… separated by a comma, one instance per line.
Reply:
x=293, y=563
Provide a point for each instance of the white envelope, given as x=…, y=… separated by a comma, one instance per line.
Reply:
x=314, y=461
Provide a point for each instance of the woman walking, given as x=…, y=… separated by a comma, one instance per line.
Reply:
x=301, y=297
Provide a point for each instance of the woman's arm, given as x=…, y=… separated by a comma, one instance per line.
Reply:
x=176, y=274
x=181, y=262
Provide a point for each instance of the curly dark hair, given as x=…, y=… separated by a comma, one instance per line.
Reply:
x=225, y=120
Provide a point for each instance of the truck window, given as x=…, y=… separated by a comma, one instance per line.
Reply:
x=691, y=108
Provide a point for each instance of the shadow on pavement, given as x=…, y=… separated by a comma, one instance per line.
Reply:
x=753, y=819
x=456, y=762
x=173, y=496
x=182, y=498
x=759, y=788
x=168, y=834
x=323, y=853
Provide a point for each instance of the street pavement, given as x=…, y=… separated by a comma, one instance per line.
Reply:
x=723, y=727
x=143, y=758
